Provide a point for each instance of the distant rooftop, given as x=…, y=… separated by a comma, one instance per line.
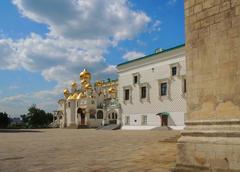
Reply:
x=161, y=51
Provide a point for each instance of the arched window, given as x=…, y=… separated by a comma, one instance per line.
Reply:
x=100, y=114
x=113, y=115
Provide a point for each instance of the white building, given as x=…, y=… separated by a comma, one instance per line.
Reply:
x=152, y=90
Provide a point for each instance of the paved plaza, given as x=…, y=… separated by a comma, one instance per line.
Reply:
x=71, y=150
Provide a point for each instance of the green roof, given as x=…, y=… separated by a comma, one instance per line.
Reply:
x=151, y=55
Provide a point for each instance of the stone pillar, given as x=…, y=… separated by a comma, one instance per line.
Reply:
x=211, y=139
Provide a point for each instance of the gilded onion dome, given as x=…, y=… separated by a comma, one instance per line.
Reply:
x=84, y=82
x=74, y=84
x=85, y=75
x=99, y=83
x=112, y=90
x=88, y=86
x=81, y=95
x=66, y=93
x=73, y=97
x=69, y=97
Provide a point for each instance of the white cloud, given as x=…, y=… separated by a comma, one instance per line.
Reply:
x=131, y=55
x=18, y=104
x=156, y=26
x=85, y=19
x=110, y=69
x=80, y=34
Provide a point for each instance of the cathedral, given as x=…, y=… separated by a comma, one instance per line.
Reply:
x=88, y=105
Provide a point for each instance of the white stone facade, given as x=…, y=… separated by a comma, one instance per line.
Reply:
x=146, y=106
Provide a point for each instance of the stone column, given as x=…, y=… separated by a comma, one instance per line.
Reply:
x=211, y=139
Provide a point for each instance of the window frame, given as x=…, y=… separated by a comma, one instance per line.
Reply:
x=174, y=72
x=144, y=120
x=177, y=66
x=130, y=94
x=126, y=96
x=143, y=92
x=163, y=89
x=127, y=120
x=147, y=98
x=138, y=78
x=168, y=95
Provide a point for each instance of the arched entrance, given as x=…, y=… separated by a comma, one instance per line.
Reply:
x=113, y=116
x=82, y=116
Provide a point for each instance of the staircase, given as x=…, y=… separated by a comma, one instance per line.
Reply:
x=162, y=128
x=110, y=127
x=54, y=124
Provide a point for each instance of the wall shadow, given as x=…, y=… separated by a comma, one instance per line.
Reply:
x=19, y=131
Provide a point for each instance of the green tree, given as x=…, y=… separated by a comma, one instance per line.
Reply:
x=37, y=118
x=4, y=120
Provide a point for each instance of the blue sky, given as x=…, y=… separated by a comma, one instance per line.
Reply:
x=45, y=44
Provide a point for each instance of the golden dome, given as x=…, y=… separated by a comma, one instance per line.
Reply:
x=74, y=84
x=85, y=74
x=111, y=90
x=99, y=83
x=73, y=97
x=84, y=82
x=88, y=86
x=66, y=92
x=81, y=95
x=69, y=97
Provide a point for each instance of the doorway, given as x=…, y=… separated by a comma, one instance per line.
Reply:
x=82, y=119
x=164, y=119
x=82, y=116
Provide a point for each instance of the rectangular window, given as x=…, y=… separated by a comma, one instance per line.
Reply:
x=143, y=92
x=92, y=116
x=163, y=91
x=135, y=79
x=77, y=104
x=174, y=70
x=144, y=120
x=69, y=104
x=127, y=120
x=184, y=86
x=126, y=94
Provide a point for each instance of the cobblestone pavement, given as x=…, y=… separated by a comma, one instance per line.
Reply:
x=72, y=150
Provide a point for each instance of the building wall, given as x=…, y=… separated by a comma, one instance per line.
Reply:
x=151, y=74
x=71, y=114
x=210, y=142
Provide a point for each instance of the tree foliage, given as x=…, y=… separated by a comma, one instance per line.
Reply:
x=4, y=120
x=37, y=118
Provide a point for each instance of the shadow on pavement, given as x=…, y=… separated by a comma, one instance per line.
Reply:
x=19, y=131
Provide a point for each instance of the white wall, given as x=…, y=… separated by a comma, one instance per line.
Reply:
x=175, y=104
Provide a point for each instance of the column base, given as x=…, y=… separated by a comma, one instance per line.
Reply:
x=209, y=146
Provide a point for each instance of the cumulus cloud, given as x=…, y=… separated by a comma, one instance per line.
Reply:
x=84, y=19
x=131, y=55
x=80, y=34
x=18, y=104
